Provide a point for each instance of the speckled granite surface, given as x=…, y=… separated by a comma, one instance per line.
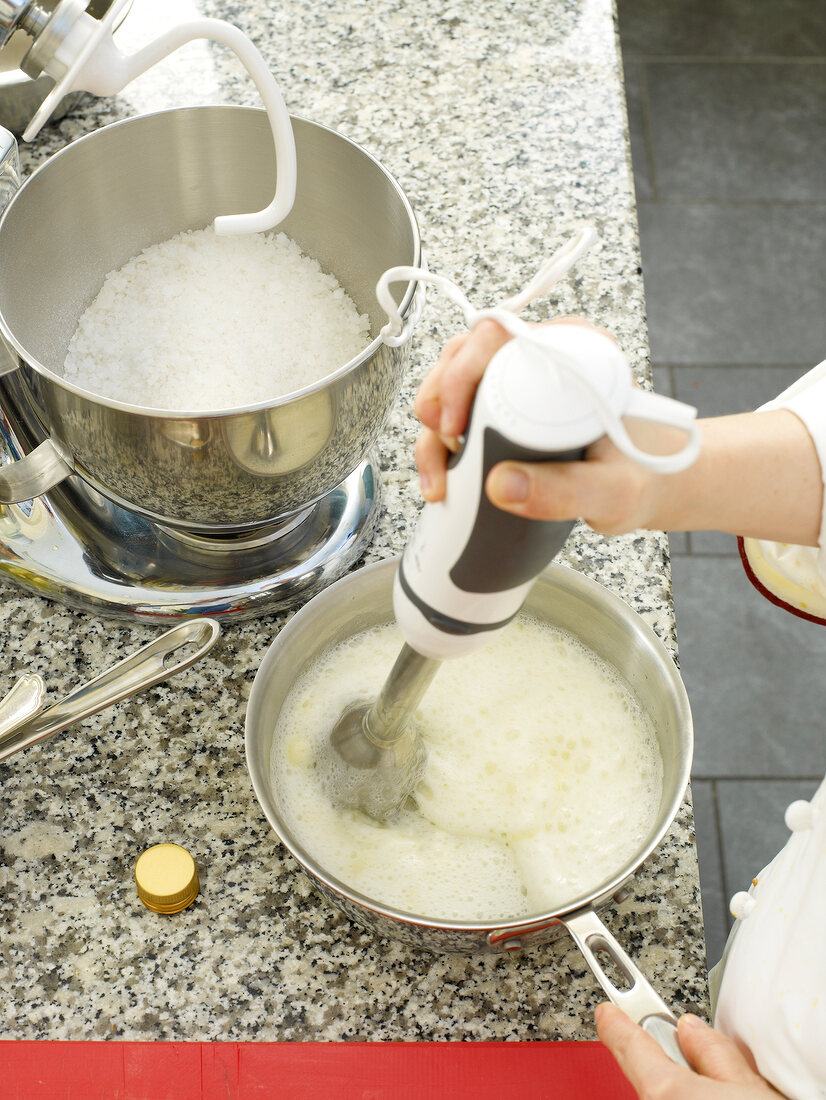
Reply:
x=506, y=128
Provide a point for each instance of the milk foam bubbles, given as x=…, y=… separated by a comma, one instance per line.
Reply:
x=543, y=776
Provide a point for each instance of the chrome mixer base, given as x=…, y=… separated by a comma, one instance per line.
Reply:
x=76, y=546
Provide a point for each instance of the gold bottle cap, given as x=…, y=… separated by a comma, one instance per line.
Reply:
x=167, y=878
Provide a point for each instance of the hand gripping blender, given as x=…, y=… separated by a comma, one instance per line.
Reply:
x=545, y=396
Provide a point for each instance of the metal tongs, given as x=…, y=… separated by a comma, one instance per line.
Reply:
x=24, y=722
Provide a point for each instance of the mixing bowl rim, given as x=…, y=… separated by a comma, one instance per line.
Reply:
x=321, y=384
x=667, y=814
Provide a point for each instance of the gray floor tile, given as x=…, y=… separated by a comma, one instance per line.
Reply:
x=752, y=826
x=662, y=378
x=734, y=296
x=713, y=542
x=723, y=28
x=637, y=131
x=734, y=284
x=719, y=391
x=715, y=903
x=754, y=675
x=737, y=131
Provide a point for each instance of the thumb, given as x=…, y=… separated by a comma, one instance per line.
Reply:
x=714, y=1055
x=607, y=494
x=640, y=1058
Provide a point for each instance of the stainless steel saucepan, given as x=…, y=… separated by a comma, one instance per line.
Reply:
x=114, y=192
x=607, y=626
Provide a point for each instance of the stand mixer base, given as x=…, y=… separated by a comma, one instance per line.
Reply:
x=78, y=547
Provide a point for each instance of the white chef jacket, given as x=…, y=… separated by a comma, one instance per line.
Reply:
x=772, y=994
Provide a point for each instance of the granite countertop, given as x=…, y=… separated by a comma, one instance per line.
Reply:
x=506, y=128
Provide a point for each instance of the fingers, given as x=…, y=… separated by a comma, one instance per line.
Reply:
x=644, y=1063
x=443, y=404
x=428, y=402
x=431, y=460
x=583, y=323
x=653, y=1074
x=444, y=398
x=467, y=366
x=715, y=1055
x=610, y=494
x=447, y=391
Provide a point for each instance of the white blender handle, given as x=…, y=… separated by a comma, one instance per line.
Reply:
x=468, y=565
x=656, y=407
x=640, y=404
x=88, y=60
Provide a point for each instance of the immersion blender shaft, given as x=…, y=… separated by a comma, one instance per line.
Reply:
x=403, y=689
x=375, y=759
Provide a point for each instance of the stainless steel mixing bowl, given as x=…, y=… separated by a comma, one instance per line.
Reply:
x=608, y=627
x=112, y=193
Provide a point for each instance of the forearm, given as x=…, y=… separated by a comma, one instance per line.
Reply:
x=757, y=475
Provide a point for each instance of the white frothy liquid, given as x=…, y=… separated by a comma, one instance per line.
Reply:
x=543, y=776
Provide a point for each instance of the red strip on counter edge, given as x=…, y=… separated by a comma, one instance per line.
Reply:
x=111, y=1070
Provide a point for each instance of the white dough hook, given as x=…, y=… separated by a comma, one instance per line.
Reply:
x=87, y=59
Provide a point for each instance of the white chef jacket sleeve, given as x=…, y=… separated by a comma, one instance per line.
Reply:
x=795, y=576
x=772, y=995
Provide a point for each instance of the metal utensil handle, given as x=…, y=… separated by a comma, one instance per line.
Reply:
x=640, y=1002
x=21, y=703
x=34, y=474
x=150, y=665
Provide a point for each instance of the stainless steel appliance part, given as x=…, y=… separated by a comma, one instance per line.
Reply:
x=20, y=96
x=105, y=197
x=609, y=628
x=373, y=759
x=9, y=182
x=26, y=43
x=164, y=657
x=26, y=15
x=76, y=546
x=23, y=701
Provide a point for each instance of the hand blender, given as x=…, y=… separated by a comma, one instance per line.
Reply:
x=545, y=397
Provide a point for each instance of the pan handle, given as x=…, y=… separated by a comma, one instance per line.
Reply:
x=640, y=1001
x=170, y=653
